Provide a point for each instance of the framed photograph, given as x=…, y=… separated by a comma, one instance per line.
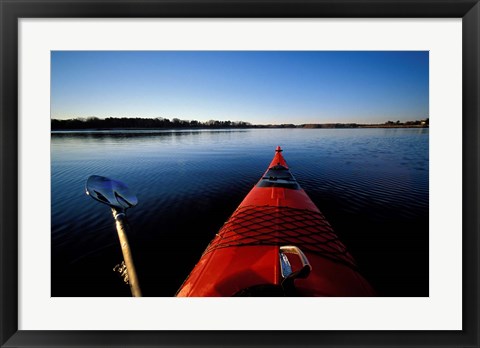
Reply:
x=161, y=161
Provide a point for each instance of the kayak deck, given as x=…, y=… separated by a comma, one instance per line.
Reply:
x=276, y=243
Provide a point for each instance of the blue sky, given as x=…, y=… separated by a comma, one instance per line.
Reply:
x=261, y=87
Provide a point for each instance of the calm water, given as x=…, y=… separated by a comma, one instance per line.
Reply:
x=371, y=184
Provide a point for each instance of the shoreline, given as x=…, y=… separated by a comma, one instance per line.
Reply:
x=235, y=128
x=111, y=123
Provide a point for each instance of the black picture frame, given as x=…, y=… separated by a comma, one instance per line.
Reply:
x=11, y=11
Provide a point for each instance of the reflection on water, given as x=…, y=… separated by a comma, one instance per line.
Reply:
x=372, y=185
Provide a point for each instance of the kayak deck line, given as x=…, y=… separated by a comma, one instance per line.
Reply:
x=267, y=225
x=276, y=243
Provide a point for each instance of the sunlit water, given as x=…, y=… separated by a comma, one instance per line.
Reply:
x=371, y=184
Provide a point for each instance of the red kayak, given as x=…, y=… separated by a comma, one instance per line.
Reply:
x=276, y=243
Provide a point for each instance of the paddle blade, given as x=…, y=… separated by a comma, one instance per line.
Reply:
x=111, y=192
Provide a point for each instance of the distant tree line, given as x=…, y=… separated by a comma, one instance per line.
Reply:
x=140, y=123
x=424, y=122
x=95, y=123
x=330, y=125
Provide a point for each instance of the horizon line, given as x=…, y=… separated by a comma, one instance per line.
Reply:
x=171, y=120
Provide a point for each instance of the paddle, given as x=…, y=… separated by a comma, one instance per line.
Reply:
x=117, y=195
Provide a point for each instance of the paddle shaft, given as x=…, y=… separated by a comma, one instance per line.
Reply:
x=120, y=222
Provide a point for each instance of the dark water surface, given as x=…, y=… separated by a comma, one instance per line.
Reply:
x=371, y=184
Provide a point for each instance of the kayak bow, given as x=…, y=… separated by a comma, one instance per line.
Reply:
x=276, y=243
